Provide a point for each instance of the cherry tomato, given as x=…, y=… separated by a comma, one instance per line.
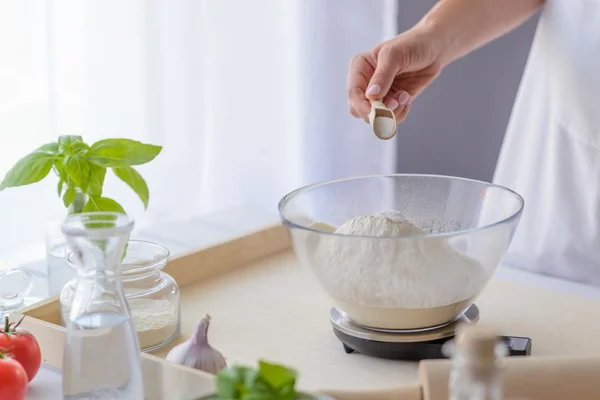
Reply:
x=22, y=346
x=13, y=379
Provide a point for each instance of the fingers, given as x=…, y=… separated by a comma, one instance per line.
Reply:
x=384, y=74
x=391, y=103
x=398, y=102
x=360, y=68
x=402, y=112
x=361, y=88
x=358, y=103
x=400, y=106
x=357, y=114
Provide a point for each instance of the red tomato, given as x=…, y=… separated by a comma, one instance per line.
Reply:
x=13, y=379
x=22, y=346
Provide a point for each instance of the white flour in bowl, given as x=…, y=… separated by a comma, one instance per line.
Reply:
x=364, y=275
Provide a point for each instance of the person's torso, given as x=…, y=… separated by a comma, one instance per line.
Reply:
x=551, y=152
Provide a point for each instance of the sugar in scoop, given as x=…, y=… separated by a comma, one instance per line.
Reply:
x=383, y=120
x=384, y=127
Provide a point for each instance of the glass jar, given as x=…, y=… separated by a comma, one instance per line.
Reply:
x=15, y=285
x=57, y=250
x=152, y=295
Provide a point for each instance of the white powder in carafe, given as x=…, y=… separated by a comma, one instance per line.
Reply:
x=392, y=272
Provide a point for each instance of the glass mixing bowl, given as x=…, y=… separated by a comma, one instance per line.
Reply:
x=415, y=280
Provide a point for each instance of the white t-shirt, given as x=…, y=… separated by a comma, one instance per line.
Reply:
x=551, y=152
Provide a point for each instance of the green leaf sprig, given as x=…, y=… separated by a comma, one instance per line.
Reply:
x=268, y=382
x=81, y=170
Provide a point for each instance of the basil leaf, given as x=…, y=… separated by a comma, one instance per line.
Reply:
x=258, y=395
x=58, y=168
x=80, y=148
x=68, y=144
x=69, y=196
x=268, y=382
x=277, y=375
x=122, y=152
x=61, y=182
x=261, y=390
x=60, y=171
x=306, y=396
x=97, y=174
x=30, y=169
x=286, y=392
x=256, y=383
x=50, y=148
x=79, y=202
x=97, y=203
x=78, y=169
x=230, y=382
x=135, y=181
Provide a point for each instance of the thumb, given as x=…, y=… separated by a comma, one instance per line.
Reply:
x=386, y=70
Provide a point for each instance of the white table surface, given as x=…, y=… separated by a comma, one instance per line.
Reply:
x=45, y=386
x=184, y=236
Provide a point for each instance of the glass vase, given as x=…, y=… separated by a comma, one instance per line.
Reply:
x=101, y=358
x=57, y=248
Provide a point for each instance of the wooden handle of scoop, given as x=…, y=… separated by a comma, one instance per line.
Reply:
x=378, y=104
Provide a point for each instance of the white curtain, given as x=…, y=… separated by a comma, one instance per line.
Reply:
x=248, y=98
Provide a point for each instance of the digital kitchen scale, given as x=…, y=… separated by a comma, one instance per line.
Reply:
x=410, y=345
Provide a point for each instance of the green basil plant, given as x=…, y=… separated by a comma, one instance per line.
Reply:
x=269, y=381
x=81, y=170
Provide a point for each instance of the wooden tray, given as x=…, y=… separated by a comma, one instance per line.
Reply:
x=162, y=379
x=264, y=305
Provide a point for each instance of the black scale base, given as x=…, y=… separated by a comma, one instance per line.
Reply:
x=416, y=351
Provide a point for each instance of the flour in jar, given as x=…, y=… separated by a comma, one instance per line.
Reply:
x=155, y=320
x=389, y=271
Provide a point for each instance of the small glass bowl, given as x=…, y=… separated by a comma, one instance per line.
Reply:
x=152, y=295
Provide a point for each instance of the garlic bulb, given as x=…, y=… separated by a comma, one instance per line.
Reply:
x=197, y=353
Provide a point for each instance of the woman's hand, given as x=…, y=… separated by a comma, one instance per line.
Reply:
x=399, y=69
x=395, y=71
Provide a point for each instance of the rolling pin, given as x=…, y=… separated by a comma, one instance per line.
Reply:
x=532, y=378
x=409, y=392
x=523, y=378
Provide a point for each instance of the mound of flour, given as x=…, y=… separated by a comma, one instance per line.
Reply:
x=392, y=272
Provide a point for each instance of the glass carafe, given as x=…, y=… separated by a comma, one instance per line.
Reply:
x=101, y=359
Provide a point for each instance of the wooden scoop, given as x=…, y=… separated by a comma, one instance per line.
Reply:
x=383, y=128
